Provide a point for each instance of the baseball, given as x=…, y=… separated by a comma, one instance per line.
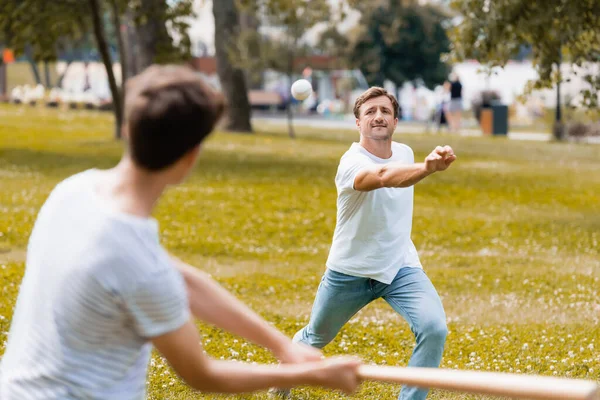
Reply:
x=301, y=89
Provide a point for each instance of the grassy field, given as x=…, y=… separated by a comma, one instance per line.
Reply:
x=509, y=236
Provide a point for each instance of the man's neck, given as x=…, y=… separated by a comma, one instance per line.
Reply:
x=129, y=189
x=381, y=148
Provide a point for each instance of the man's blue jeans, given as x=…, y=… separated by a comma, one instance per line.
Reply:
x=411, y=294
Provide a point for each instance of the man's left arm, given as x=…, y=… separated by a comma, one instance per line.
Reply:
x=211, y=303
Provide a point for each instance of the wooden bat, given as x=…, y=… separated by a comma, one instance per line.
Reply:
x=496, y=384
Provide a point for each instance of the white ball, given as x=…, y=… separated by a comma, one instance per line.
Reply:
x=301, y=89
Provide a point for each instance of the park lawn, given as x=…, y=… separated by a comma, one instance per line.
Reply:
x=509, y=236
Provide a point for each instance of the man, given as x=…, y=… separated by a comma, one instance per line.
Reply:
x=372, y=254
x=455, y=106
x=99, y=290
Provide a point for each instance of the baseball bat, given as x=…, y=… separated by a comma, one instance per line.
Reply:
x=496, y=384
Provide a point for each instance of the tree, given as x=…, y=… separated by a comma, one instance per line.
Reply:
x=43, y=28
x=160, y=30
x=117, y=9
x=231, y=76
x=289, y=20
x=554, y=30
x=37, y=29
x=401, y=42
x=100, y=35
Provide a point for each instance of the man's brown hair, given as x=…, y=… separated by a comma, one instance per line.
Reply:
x=371, y=93
x=169, y=110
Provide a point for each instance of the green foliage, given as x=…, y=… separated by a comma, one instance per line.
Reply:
x=509, y=236
x=44, y=25
x=47, y=26
x=494, y=31
x=291, y=19
x=334, y=44
x=402, y=42
x=172, y=45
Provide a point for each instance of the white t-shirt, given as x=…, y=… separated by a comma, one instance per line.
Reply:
x=97, y=286
x=372, y=234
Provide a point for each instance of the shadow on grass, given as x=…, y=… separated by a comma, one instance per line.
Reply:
x=212, y=163
x=49, y=162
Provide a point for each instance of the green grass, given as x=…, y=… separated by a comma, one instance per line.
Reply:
x=509, y=236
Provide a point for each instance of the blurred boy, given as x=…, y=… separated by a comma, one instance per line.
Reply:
x=99, y=290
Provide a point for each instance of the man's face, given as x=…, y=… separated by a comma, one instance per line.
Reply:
x=376, y=119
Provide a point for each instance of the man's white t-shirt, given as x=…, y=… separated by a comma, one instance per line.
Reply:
x=97, y=286
x=372, y=235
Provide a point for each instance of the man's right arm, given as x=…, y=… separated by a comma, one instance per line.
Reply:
x=182, y=350
x=393, y=174
x=399, y=175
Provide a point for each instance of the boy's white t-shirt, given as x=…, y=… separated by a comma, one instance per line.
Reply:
x=372, y=236
x=97, y=286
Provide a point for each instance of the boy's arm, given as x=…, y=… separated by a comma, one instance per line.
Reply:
x=182, y=350
x=403, y=175
x=211, y=303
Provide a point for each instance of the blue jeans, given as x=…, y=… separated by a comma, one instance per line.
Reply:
x=411, y=294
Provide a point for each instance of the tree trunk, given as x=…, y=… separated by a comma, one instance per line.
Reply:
x=290, y=72
x=122, y=50
x=106, y=59
x=558, y=130
x=3, y=88
x=233, y=80
x=130, y=43
x=34, y=68
x=558, y=115
x=62, y=76
x=151, y=33
x=47, y=74
x=290, y=112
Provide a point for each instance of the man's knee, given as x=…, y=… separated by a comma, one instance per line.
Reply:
x=434, y=330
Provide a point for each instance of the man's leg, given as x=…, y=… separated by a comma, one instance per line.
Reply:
x=338, y=298
x=413, y=296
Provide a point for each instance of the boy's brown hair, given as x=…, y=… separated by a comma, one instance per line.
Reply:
x=169, y=110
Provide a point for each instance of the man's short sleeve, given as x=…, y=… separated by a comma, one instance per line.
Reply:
x=159, y=303
x=350, y=166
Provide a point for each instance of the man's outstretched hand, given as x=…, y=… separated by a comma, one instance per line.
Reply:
x=439, y=159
